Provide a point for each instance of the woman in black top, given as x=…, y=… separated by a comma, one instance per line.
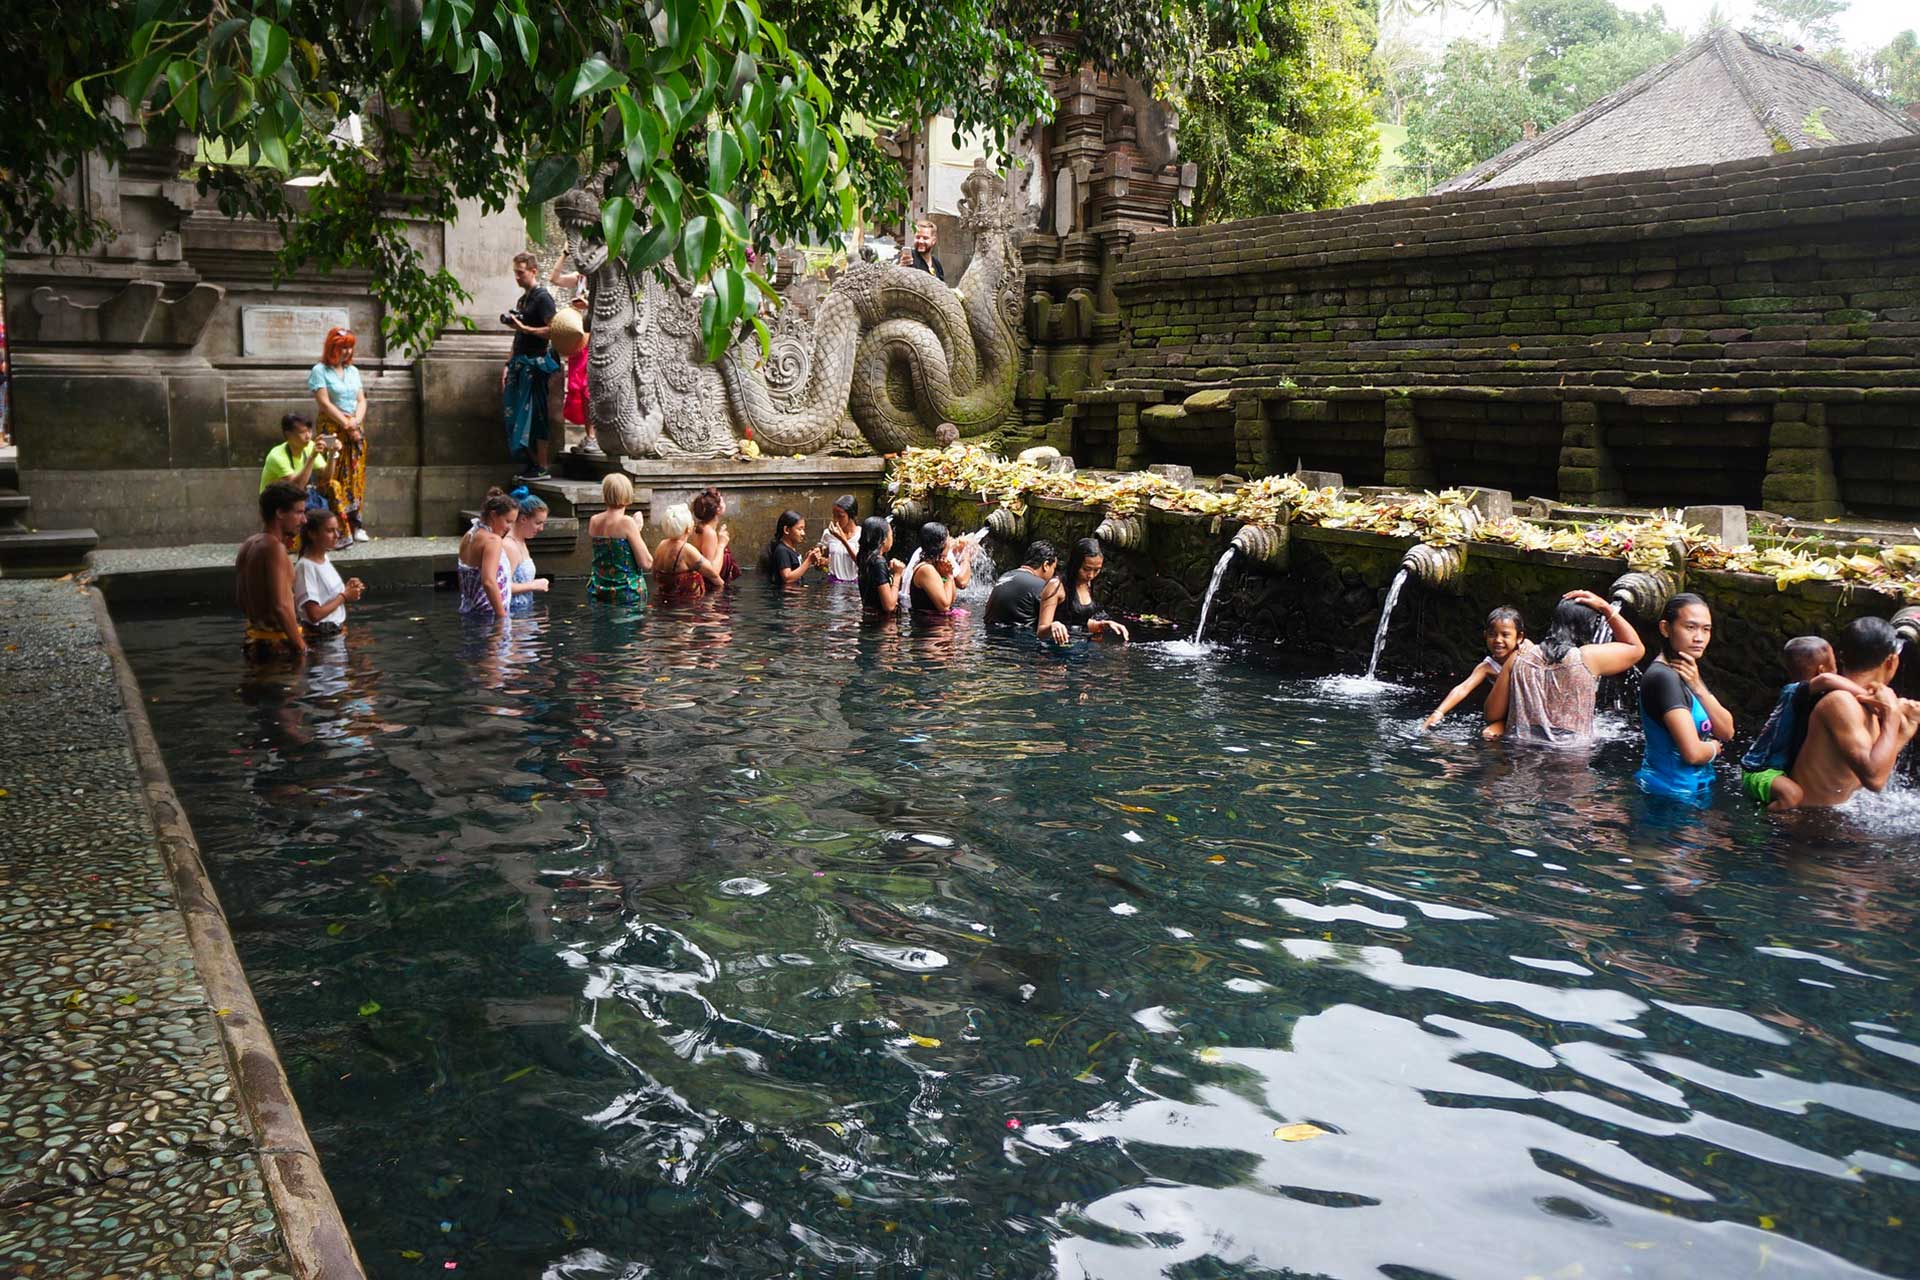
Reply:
x=783, y=561
x=880, y=578
x=1075, y=606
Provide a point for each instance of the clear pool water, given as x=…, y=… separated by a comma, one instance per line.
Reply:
x=750, y=941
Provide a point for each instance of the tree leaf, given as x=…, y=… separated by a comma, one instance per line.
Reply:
x=268, y=45
x=652, y=247
x=699, y=241
x=616, y=218
x=274, y=149
x=724, y=158
x=527, y=36
x=731, y=219
x=370, y=1008
x=595, y=74
x=731, y=288
x=551, y=176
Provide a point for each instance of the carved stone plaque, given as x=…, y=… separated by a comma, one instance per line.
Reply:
x=288, y=333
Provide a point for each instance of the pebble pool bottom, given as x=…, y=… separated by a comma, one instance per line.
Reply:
x=749, y=940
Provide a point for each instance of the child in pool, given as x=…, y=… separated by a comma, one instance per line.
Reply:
x=1506, y=635
x=1763, y=770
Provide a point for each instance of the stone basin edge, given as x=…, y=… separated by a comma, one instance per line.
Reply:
x=311, y=1227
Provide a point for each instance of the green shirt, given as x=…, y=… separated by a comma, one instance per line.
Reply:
x=281, y=464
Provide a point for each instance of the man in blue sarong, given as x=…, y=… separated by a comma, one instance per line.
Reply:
x=523, y=383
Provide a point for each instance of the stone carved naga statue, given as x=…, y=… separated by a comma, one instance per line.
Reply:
x=883, y=357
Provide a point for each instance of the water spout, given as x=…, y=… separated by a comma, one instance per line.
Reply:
x=1643, y=591
x=1386, y=616
x=1213, y=587
x=910, y=512
x=1128, y=533
x=1437, y=568
x=1007, y=524
x=1906, y=624
x=1264, y=545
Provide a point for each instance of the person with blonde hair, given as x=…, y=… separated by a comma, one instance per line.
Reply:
x=680, y=572
x=620, y=556
x=335, y=384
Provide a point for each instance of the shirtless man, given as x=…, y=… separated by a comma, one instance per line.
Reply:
x=263, y=575
x=1851, y=742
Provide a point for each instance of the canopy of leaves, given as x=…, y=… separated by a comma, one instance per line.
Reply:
x=1894, y=70
x=1284, y=125
x=1555, y=58
x=709, y=125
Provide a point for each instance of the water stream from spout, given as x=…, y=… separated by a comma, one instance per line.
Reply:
x=1213, y=588
x=982, y=560
x=1386, y=616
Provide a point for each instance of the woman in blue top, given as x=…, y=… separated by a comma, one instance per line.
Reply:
x=335, y=384
x=1684, y=723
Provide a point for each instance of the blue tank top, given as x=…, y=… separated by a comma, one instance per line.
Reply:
x=1662, y=771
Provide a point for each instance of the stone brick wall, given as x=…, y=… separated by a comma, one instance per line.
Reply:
x=1744, y=332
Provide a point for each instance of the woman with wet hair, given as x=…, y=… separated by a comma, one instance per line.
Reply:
x=680, y=571
x=880, y=577
x=482, y=567
x=1685, y=725
x=1545, y=693
x=783, y=560
x=620, y=556
x=709, y=537
x=842, y=540
x=936, y=578
x=1073, y=606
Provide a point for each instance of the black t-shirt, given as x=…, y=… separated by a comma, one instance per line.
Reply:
x=1015, y=601
x=1662, y=690
x=782, y=557
x=536, y=308
x=873, y=576
x=929, y=263
x=1074, y=615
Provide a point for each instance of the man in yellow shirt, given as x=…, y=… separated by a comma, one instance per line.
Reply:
x=296, y=458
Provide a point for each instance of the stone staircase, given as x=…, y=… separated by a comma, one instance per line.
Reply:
x=26, y=552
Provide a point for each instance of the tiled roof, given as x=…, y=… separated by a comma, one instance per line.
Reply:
x=1726, y=96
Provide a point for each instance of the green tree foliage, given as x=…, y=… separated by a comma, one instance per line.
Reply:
x=1894, y=70
x=1555, y=58
x=1283, y=125
x=707, y=125
x=1809, y=23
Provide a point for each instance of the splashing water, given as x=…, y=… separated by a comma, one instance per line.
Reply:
x=906, y=584
x=1213, y=587
x=984, y=569
x=1386, y=616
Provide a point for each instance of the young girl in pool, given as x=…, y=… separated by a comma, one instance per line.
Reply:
x=880, y=578
x=1506, y=635
x=936, y=579
x=319, y=596
x=1684, y=723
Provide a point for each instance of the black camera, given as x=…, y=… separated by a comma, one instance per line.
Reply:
x=511, y=318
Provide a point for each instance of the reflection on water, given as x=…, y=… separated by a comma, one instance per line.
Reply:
x=750, y=940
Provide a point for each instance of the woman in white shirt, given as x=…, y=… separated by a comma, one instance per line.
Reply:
x=842, y=541
x=319, y=596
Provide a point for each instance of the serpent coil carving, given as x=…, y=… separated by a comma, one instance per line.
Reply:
x=889, y=353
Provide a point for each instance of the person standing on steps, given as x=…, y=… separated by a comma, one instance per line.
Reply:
x=919, y=256
x=342, y=402
x=523, y=382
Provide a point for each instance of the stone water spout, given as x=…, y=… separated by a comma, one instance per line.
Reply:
x=1128, y=533
x=1264, y=545
x=1645, y=591
x=1007, y=524
x=910, y=512
x=1436, y=568
x=1906, y=625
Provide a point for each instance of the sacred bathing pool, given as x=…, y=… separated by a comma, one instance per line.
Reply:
x=755, y=937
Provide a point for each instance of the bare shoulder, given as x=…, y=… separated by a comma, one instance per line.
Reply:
x=1838, y=711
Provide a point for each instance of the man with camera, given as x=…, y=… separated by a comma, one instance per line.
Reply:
x=523, y=383
x=298, y=457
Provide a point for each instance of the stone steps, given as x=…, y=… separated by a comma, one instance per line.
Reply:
x=560, y=537
x=13, y=509
x=29, y=553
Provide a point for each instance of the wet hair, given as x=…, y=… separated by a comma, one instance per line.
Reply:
x=339, y=342
x=1865, y=643
x=1081, y=552
x=785, y=521
x=616, y=490
x=498, y=502
x=847, y=504
x=1671, y=614
x=317, y=518
x=277, y=497
x=676, y=520
x=705, y=505
x=292, y=422
x=1571, y=627
x=1803, y=654
x=1507, y=613
x=1039, y=552
x=933, y=540
x=530, y=503
x=873, y=536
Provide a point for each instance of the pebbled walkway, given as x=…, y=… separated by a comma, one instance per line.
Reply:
x=128, y=1147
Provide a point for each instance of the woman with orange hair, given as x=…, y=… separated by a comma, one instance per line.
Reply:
x=335, y=384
